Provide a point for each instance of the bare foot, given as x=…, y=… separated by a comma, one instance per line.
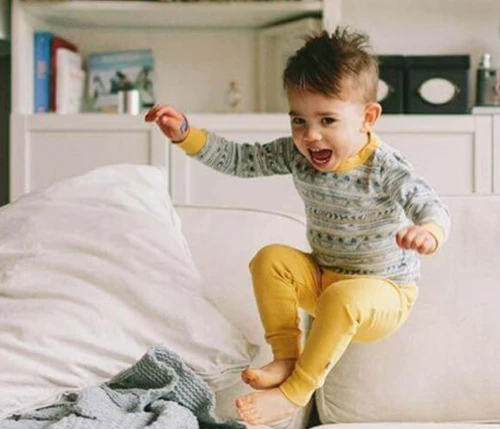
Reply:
x=265, y=407
x=271, y=375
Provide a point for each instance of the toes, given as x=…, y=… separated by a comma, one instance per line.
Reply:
x=251, y=375
x=244, y=375
x=244, y=403
x=253, y=419
x=250, y=416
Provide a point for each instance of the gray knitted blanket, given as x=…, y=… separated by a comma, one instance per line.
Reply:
x=159, y=392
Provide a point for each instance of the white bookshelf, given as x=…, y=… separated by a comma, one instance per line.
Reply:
x=201, y=46
x=146, y=14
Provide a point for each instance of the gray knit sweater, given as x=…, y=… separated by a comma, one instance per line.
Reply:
x=353, y=215
x=158, y=392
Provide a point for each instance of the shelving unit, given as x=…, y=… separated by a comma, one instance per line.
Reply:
x=200, y=47
x=222, y=36
x=140, y=14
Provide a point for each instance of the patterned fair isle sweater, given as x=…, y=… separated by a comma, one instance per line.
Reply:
x=354, y=213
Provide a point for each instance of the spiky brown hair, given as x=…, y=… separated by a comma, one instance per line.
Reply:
x=334, y=65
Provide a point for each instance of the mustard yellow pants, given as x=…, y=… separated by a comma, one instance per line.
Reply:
x=345, y=309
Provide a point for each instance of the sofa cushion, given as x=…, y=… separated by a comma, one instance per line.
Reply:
x=222, y=242
x=443, y=364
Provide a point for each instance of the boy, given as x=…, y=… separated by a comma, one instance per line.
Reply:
x=368, y=218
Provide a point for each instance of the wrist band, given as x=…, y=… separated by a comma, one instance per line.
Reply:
x=184, y=128
x=185, y=124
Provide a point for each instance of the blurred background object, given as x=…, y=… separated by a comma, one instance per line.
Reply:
x=5, y=94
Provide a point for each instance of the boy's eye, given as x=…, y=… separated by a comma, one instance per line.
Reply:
x=298, y=121
x=328, y=121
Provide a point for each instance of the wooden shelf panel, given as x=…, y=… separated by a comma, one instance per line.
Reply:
x=143, y=14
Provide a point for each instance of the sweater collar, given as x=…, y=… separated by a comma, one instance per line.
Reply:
x=360, y=157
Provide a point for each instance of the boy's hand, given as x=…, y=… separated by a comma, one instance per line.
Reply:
x=171, y=122
x=417, y=238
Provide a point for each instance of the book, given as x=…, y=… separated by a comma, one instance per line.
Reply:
x=110, y=72
x=69, y=89
x=69, y=82
x=57, y=43
x=41, y=94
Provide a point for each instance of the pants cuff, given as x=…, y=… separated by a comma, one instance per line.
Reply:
x=299, y=387
x=285, y=347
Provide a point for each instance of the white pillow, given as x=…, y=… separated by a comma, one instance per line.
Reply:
x=93, y=271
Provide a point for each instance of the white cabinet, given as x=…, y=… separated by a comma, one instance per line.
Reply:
x=50, y=148
x=458, y=154
x=454, y=153
x=194, y=183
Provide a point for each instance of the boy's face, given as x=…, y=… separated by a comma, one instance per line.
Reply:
x=328, y=130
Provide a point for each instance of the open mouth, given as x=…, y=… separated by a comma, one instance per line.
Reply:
x=320, y=157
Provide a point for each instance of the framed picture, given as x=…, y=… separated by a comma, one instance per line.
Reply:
x=275, y=45
x=111, y=72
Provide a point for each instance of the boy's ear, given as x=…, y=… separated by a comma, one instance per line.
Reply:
x=372, y=113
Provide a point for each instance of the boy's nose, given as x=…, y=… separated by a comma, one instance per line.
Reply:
x=312, y=134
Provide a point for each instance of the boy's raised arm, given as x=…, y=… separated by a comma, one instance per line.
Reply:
x=228, y=157
x=242, y=159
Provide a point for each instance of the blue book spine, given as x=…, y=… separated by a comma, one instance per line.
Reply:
x=42, y=44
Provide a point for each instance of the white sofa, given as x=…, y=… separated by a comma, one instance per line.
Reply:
x=443, y=366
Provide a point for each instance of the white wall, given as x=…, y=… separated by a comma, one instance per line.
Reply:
x=193, y=67
x=421, y=27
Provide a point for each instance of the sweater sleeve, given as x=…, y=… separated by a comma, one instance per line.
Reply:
x=418, y=199
x=240, y=159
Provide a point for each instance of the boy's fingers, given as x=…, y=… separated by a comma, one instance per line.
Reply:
x=422, y=249
x=163, y=121
x=151, y=114
x=171, y=122
x=426, y=247
x=164, y=116
x=400, y=235
x=408, y=238
x=418, y=241
x=160, y=110
x=414, y=238
x=169, y=111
